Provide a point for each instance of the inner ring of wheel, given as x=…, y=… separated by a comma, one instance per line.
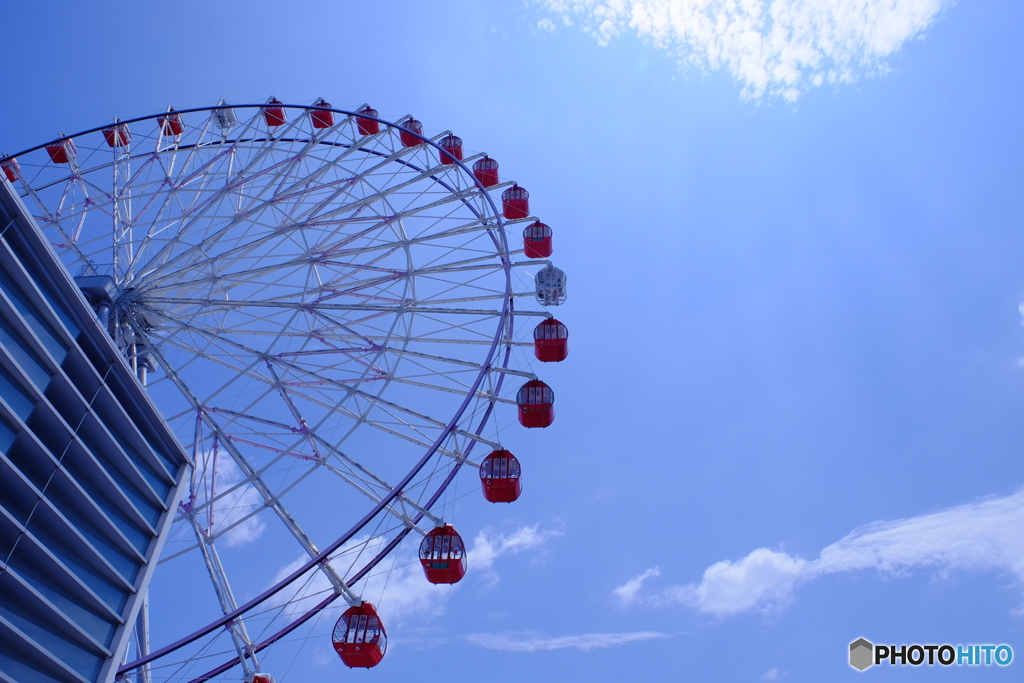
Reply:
x=504, y=326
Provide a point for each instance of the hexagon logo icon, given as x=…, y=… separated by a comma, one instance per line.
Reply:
x=862, y=654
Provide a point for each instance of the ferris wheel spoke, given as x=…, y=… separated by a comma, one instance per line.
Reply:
x=200, y=207
x=389, y=406
x=463, y=229
x=319, y=172
x=453, y=390
x=402, y=516
x=50, y=218
x=465, y=266
x=296, y=414
x=236, y=628
x=232, y=350
x=484, y=341
x=323, y=380
x=234, y=279
x=432, y=421
x=243, y=371
x=311, y=435
x=270, y=498
x=356, y=470
x=238, y=518
x=337, y=249
x=460, y=197
x=468, y=299
x=435, y=310
x=309, y=178
x=455, y=361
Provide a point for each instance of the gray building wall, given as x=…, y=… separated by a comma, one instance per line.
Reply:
x=89, y=472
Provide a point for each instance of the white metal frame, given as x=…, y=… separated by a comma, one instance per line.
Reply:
x=296, y=288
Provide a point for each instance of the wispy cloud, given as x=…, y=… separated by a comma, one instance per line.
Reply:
x=532, y=642
x=627, y=592
x=489, y=546
x=987, y=535
x=778, y=47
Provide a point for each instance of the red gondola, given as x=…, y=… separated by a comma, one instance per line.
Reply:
x=262, y=678
x=551, y=341
x=321, y=118
x=410, y=131
x=11, y=168
x=117, y=135
x=273, y=113
x=486, y=171
x=451, y=149
x=359, y=637
x=170, y=123
x=61, y=152
x=515, y=202
x=537, y=240
x=443, y=555
x=368, y=126
x=536, y=404
x=500, y=477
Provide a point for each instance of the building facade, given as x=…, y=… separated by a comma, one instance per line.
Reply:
x=90, y=474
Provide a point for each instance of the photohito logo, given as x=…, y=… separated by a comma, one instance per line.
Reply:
x=864, y=654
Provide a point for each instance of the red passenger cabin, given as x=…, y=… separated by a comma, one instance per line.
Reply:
x=486, y=171
x=551, y=341
x=500, y=477
x=11, y=168
x=170, y=123
x=410, y=131
x=322, y=119
x=359, y=637
x=262, y=678
x=117, y=135
x=443, y=555
x=537, y=240
x=273, y=113
x=515, y=202
x=61, y=152
x=368, y=126
x=536, y=404
x=451, y=149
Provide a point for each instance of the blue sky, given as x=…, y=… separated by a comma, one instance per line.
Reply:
x=793, y=399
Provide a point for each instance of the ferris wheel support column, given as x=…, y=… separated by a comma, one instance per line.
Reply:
x=142, y=638
x=239, y=634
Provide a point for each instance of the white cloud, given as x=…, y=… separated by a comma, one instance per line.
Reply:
x=778, y=47
x=488, y=546
x=531, y=642
x=770, y=675
x=763, y=578
x=987, y=535
x=627, y=592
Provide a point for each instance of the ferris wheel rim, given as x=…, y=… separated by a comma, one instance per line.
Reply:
x=505, y=322
x=326, y=602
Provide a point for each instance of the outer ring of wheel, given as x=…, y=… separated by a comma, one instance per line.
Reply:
x=505, y=326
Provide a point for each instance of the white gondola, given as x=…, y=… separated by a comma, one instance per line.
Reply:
x=550, y=282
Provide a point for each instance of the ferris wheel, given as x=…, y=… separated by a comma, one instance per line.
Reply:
x=336, y=314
